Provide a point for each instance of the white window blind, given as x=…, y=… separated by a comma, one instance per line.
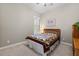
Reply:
x=36, y=24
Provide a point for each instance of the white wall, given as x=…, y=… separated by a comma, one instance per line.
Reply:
x=16, y=21
x=65, y=16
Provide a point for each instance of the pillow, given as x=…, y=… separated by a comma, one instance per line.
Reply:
x=50, y=34
x=54, y=36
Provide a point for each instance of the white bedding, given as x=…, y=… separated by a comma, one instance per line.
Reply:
x=40, y=36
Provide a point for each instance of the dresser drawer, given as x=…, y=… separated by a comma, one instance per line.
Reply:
x=76, y=52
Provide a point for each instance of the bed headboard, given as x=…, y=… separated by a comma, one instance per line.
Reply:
x=58, y=31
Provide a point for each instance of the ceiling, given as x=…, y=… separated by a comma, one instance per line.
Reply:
x=42, y=8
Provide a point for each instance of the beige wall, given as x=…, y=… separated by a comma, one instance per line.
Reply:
x=16, y=21
x=65, y=16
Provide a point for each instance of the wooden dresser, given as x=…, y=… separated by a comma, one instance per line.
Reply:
x=76, y=47
x=75, y=40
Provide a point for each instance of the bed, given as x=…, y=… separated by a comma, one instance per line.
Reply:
x=46, y=42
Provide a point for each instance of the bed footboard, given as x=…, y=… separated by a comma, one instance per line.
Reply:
x=39, y=48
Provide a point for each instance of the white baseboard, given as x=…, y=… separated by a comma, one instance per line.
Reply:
x=12, y=45
x=69, y=44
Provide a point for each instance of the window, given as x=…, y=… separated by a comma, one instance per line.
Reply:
x=36, y=24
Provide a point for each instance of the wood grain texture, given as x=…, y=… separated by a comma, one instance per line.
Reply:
x=76, y=43
x=75, y=40
x=57, y=31
x=75, y=32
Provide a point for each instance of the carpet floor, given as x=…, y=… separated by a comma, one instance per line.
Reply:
x=23, y=50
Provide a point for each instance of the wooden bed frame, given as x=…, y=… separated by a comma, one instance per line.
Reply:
x=43, y=48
